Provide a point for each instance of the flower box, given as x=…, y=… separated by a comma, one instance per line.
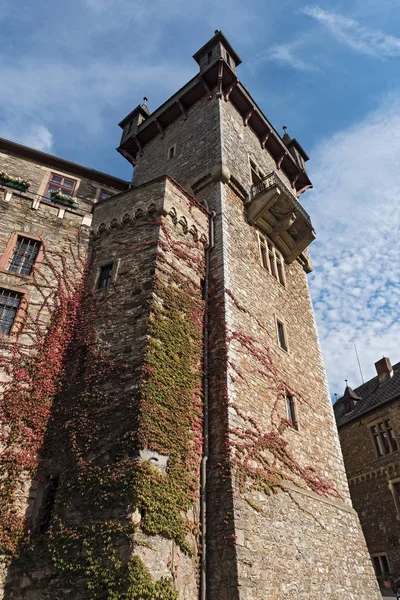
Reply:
x=17, y=183
x=63, y=199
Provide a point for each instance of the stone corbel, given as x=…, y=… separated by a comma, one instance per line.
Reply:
x=221, y=173
x=283, y=224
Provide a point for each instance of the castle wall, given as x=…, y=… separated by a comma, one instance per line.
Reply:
x=125, y=434
x=197, y=147
x=86, y=189
x=370, y=477
x=61, y=261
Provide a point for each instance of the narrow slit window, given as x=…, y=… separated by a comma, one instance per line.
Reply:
x=264, y=255
x=171, y=152
x=9, y=304
x=24, y=256
x=49, y=500
x=209, y=57
x=105, y=276
x=291, y=411
x=281, y=335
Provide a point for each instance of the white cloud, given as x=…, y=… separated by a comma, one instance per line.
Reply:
x=349, y=32
x=76, y=95
x=287, y=54
x=35, y=136
x=355, y=209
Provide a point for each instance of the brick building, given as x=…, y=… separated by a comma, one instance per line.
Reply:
x=369, y=431
x=170, y=433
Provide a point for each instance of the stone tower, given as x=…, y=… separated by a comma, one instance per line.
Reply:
x=191, y=449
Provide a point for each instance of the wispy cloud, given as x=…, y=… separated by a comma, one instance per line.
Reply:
x=35, y=136
x=351, y=33
x=287, y=54
x=356, y=282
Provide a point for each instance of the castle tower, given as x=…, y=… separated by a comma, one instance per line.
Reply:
x=191, y=450
x=278, y=516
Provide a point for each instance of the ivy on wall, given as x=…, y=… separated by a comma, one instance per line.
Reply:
x=78, y=410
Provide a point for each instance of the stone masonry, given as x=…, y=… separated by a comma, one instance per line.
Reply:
x=273, y=517
x=372, y=465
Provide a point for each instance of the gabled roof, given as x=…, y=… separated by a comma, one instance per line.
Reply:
x=368, y=396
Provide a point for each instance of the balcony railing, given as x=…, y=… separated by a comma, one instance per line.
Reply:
x=272, y=179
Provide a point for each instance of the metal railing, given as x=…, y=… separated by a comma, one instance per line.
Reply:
x=273, y=179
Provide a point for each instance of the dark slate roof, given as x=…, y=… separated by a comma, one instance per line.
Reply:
x=372, y=394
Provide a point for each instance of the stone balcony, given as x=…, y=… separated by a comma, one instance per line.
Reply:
x=274, y=209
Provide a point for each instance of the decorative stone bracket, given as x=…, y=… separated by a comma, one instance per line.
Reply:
x=273, y=208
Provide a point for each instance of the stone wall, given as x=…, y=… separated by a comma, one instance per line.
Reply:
x=155, y=236
x=63, y=233
x=370, y=478
x=197, y=147
x=87, y=188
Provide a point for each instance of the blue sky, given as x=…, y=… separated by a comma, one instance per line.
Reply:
x=329, y=71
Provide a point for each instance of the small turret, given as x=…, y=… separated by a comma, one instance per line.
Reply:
x=217, y=47
x=131, y=122
x=295, y=149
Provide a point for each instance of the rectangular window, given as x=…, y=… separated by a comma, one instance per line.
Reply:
x=105, y=276
x=49, y=499
x=272, y=260
x=256, y=175
x=24, y=256
x=9, y=305
x=384, y=438
x=171, y=151
x=281, y=335
x=57, y=183
x=291, y=411
x=381, y=565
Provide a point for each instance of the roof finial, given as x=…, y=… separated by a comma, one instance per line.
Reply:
x=335, y=397
x=346, y=380
x=217, y=31
x=286, y=137
x=145, y=100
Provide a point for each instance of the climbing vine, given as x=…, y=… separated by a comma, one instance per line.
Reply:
x=89, y=415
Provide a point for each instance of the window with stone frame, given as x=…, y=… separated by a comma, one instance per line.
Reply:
x=105, y=276
x=58, y=183
x=271, y=259
x=291, y=411
x=384, y=438
x=381, y=565
x=10, y=302
x=281, y=333
x=24, y=255
x=256, y=174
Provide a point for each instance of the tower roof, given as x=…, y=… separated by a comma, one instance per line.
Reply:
x=218, y=37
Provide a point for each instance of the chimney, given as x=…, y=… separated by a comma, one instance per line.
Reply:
x=384, y=369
